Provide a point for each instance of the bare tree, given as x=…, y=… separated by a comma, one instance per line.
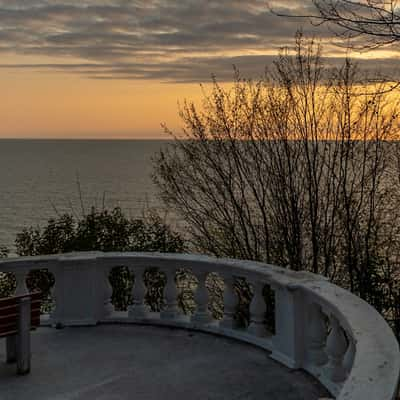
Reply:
x=294, y=169
x=376, y=22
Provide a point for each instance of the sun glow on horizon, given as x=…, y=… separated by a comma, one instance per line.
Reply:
x=56, y=105
x=111, y=69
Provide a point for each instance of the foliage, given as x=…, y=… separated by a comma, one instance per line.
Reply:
x=105, y=230
x=298, y=169
x=7, y=280
x=98, y=230
x=3, y=252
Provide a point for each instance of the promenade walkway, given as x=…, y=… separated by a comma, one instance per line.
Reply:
x=115, y=362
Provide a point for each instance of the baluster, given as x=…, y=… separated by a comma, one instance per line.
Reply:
x=50, y=299
x=171, y=293
x=317, y=335
x=53, y=297
x=201, y=315
x=349, y=356
x=108, y=290
x=229, y=302
x=56, y=314
x=257, y=310
x=336, y=346
x=21, y=288
x=138, y=309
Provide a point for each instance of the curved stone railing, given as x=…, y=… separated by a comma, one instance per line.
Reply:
x=318, y=327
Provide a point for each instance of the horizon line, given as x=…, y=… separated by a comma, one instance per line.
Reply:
x=80, y=138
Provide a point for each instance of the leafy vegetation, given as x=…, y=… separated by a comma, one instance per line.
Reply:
x=105, y=230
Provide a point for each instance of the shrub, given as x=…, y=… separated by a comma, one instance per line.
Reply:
x=105, y=230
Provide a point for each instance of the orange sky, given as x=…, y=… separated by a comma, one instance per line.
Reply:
x=51, y=51
x=49, y=104
x=61, y=105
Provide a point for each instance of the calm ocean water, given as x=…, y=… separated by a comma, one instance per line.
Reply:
x=39, y=176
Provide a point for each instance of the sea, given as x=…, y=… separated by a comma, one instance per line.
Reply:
x=40, y=179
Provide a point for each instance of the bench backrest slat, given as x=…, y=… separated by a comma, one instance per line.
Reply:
x=9, y=310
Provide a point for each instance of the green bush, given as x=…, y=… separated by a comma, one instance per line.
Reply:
x=99, y=230
x=7, y=280
x=111, y=230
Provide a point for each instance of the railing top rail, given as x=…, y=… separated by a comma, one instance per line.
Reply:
x=272, y=273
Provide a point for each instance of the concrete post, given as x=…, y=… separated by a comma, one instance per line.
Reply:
x=288, y=342
x=23, y=336
x=80, y=291
x=11, y=346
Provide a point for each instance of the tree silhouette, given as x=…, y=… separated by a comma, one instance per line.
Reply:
x=369, y=23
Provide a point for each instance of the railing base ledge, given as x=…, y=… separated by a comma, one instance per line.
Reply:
x=285, y=360
x=321, y=373
x=184, y=322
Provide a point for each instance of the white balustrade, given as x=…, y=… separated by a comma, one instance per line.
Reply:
x=230, y=301
x=349, y=356
x=108, y=291
x=20, y=277
x=171, y=310
x=202, y=314
x=336, y=346
x=358, y=360
x=53, y=293
x=290, y=314
x=257, y=310
x=138, y=309
x=58, y=297
x=317, y=334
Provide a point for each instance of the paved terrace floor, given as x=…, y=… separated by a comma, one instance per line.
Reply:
x=113, y=362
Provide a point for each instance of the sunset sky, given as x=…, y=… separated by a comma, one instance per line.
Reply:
x=117, y=68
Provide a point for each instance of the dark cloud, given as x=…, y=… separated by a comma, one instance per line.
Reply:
x=193, y=69
x=154, y=39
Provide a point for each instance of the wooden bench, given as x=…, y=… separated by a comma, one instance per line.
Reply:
x=18, y=316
